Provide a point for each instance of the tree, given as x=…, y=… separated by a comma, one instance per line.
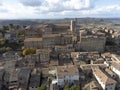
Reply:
x=8, y=48
x=42, y=87
x=74, y=87
x=28, y=51
x=66, y=87
x=5, y=49
x=2, y=41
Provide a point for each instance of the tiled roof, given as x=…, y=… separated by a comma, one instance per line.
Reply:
x=104, y=78
x=69, y=70
x=33, y=39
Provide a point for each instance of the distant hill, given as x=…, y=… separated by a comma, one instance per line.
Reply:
x=18, y=22
x=35, y=22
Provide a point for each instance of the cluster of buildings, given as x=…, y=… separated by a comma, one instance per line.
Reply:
x=64, y=39
x=12, y=34
x=66, y=54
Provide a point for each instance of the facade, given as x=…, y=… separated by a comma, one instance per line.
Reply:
x=45, y=29
x=46, y=42
x=23, y=78
x=65, y=39
x=33, y=32
x=85, y=55
x=13, y=79
x=115, y=67
x=73, y=26
x=49, y=40
x=34, y=81
x=64, y=48
x=43, y=55
x=60, y=28
x=106, y=82
x=48, y=28
x=90, y=43
x=66, y=74
x=33, y=42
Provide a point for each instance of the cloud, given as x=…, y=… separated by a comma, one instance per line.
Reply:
x=32, y=3
x=2, y=8
x=0, y=4
x=105, y=10
x=56, y=9
x=59, y=5
x=16, y=11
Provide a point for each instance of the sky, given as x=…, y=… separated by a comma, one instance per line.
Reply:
x=53, y=9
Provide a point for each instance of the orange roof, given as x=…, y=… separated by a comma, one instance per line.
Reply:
x=104, y=78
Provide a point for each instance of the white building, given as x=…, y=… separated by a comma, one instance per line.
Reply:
x=106, y=82
x=115, y=67
x=66, y=74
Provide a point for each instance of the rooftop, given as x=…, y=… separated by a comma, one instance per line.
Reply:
x=51, y=35
x=34, y=80
x=14, y=75
x=24, y=72
x=115, y=65
x=103, y=77
x=109, y=71
x=43, y=51
x=32, y=39
x=68, y=70
x=94, y=36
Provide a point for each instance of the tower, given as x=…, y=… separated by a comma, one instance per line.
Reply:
x=73, y=25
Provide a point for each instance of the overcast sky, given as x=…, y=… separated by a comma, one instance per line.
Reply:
x=42, y=9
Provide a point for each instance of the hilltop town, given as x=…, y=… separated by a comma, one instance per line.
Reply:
x=60, y=56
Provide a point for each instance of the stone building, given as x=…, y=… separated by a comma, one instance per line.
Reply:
x=34, y=81
x=106, y=82
x=23, y=78
x=13, y=79
x=66, y=74
x=33, y=42
x=43, y=55
x=91, y=43
x=49, y=40
x=115, y=67
x=45, y=29
x=33, y=32
x=64, y=48
x=65, y=39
